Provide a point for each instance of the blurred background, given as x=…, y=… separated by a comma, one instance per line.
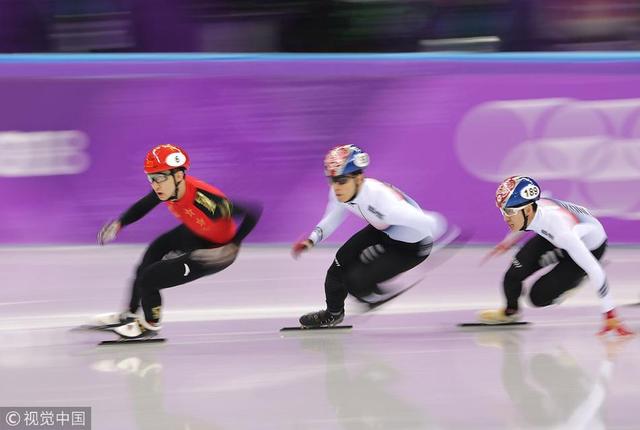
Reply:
x=448, y=97
x=317, y=25
x=81, y=107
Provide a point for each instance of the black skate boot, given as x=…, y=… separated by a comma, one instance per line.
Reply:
x=322, y=318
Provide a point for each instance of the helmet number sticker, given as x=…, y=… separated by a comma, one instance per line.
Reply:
x=530, y=192
x=176, y=159
x=361, y=160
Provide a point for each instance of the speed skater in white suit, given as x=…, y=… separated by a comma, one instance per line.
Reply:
x=398, y=236
x=567, y=236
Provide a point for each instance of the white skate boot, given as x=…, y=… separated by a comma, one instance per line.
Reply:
x=110, y=320
x=137, y=329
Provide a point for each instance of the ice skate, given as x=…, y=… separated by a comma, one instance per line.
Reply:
x=321, y=318
x=137, y=329
x=108, y=321
x=497, y=316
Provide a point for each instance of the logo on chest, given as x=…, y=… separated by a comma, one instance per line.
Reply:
x=213, y=207
x=375, y=212
x=204, y=201
x=547, y=234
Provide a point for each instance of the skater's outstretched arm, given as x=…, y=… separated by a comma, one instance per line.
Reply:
x=505, y=244
x=142, y=207
x=139, y=209
x=250, y=213
x=334, y=215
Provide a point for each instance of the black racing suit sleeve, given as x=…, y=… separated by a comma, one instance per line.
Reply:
x=140, y=209
x=250, y=213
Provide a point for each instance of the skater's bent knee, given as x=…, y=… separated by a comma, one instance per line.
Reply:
x=358, y=287
x=538, y=300
x=354, y=280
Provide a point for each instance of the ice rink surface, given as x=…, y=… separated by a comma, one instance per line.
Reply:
x=227, y=366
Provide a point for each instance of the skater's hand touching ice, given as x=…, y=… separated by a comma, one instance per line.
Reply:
x=221, y=256
x=109, y=232
x=300, y=246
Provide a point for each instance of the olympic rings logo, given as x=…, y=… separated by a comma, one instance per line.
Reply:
x=584, y=151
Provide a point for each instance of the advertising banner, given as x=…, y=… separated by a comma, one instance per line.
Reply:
x=446, y=130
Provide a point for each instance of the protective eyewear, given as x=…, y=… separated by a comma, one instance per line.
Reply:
x=340, y=180
x=158, y=177
x=511, y=211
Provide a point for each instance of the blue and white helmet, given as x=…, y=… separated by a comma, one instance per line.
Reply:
x=345, y=159
x=517, y=191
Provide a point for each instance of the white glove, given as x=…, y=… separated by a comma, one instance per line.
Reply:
x=109, y=232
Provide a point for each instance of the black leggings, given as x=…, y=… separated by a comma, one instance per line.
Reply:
x=167, y=263
x=366, y=259
x=537, y=253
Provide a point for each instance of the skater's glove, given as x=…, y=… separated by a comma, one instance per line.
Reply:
x=499, y=249
x=613, y=324
x=221, y=256
x=506, y=244
x=300, y=247
x=109, y=232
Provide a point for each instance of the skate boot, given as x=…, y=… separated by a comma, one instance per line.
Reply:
x=111, y=320
x=137, y=329
x=497, y=316
x=322, y=318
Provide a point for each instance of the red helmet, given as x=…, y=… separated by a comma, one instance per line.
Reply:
x=165, y=157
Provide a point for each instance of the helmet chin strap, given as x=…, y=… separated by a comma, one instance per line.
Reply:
x=174, y=197
x=355, y=193
x=525, y=224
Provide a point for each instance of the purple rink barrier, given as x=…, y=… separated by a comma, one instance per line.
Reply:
x=444, y=128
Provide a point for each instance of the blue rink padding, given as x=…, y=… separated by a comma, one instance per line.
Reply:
x=547, y=57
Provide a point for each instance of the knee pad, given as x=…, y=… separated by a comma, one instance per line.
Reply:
x=370, y=253
x=550, y=257
x=351, y=282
